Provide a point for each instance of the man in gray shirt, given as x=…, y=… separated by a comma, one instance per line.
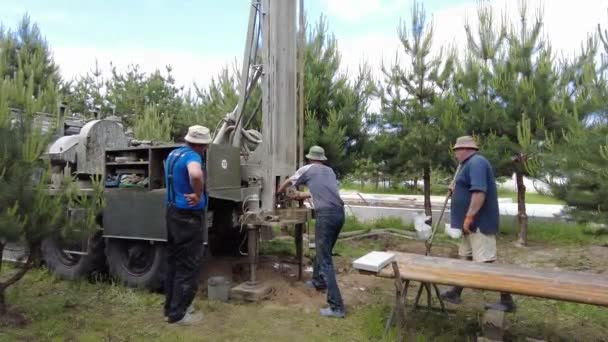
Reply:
x=329, y=214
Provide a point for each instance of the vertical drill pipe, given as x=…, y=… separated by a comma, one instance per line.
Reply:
x=252, y=251
x=299, y=247
x=301, y=49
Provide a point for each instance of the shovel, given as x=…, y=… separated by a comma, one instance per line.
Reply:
x=429, y=242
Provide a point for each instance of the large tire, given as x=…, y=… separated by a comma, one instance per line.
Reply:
x=137, y=263
x=73, y=266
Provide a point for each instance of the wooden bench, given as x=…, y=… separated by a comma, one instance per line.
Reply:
x=569, y=286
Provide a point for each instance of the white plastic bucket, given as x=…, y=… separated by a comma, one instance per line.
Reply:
x=454, y=233
x=218, y=288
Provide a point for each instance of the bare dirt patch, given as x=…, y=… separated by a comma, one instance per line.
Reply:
x=13, y=319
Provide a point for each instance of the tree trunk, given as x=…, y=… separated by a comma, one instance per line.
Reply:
x=2, y=299
x=1, y=254
x=427, y=194
x=415, y=184
x=522, y=217
x=15, y=277
x=2, y=302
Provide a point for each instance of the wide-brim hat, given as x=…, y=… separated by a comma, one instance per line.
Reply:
x=466, y=141
x=316, y=153
x=199, y=135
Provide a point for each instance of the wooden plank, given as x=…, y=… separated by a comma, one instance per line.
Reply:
x=561, y=285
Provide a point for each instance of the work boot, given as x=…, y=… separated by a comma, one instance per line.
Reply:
x=329, y=312
x=190, y=310
x=190, y=319
x=452, y=295
x=506, y=304
x=311, y=285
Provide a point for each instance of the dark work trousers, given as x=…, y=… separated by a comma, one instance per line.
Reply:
x=328, y=225
x=184, y=255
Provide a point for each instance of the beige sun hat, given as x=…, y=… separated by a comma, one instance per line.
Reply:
x=198, y=135
x=466, y=141
x=316, y=153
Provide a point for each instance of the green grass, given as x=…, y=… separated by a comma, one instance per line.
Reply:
x=532, y=198
x=60, y=310
x=553, y=233
x=440, y=190
x=353, y=224
x=81, y=311
x=393, y=190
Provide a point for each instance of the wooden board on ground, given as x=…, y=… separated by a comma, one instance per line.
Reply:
x=561, y=285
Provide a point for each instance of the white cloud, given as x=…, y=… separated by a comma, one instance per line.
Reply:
x=352, y=10
x=186, y=67
x=566, y=25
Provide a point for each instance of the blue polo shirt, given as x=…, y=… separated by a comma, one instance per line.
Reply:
x=475, y=174
x=179, y=159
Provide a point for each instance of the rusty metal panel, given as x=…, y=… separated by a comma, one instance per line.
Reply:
x=135, y=214
x=95, y=137
x=224, y=172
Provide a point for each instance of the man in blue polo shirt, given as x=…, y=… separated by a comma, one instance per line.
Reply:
x=474, y=209
x=186, y=201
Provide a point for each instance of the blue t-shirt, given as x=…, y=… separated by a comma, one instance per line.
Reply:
x=179, y=160
x=475, y=174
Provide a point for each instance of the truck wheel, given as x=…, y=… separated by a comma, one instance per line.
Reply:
x=70, y=265
x=137, y=263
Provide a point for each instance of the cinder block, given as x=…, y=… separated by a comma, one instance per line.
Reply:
x=373, y=261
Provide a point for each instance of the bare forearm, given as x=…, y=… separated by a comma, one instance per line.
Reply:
x=197, y=184
x=477, y=201
x=285, y=185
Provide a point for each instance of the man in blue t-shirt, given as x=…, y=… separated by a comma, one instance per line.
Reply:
x=186, y=201
x=474, y=209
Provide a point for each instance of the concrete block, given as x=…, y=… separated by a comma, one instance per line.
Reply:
x=493, y=325
x=373, y=261
x=250, y=293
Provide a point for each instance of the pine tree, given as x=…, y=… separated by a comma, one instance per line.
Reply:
x=130, y=92
x=85, y=94
x=420, y=117
x=25, y=49
x=28, y=213
x=153, y=125
x=334, y=106
x=508, y=90
x=580, y=161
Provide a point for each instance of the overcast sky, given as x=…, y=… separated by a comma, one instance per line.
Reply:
x=198, y=37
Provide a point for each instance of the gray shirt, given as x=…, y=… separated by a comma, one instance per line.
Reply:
x=322, y=184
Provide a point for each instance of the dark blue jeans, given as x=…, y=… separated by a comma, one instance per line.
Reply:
x=329, y=223
x=184, y=256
